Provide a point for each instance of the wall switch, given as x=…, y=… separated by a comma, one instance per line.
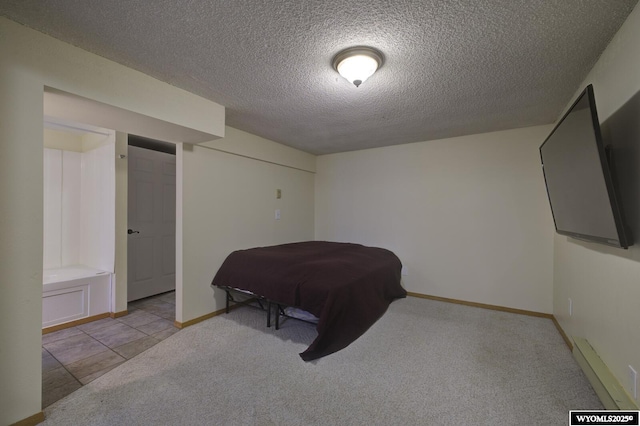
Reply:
x=570, y=307
x=405, y=271
x=278, y=194
x=633, y=382
x=278, y=214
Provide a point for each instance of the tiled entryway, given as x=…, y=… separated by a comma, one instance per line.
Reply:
x=75, y=356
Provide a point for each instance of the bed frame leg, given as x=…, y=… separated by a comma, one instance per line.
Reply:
x=277, y=317
x=226, y=308
x=269, y=313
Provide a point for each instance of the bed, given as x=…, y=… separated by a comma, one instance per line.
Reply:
x=348, y=287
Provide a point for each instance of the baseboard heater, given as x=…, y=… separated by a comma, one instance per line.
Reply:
x=606, y=386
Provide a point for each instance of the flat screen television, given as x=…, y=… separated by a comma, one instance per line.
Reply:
x=581, y=191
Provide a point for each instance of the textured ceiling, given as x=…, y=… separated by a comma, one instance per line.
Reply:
x=452, y=67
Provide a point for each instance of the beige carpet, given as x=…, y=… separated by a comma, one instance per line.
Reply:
x=423, y=363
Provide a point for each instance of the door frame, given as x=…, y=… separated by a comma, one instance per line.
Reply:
x=153, y=145
x=120, y=286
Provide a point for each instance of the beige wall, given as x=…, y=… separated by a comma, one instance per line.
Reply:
x=29, y=61
x=603, y=282
x=467, y=216
x=252, y=146
x=66, y=141
x=229, y=202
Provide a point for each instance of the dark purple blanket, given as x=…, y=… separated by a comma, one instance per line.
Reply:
x=347, y=286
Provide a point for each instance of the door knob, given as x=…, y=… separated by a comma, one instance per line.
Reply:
x=131, y=231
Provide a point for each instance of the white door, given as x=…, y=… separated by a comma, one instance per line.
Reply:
x=152, y=223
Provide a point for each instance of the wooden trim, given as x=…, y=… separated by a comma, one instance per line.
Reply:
x=564, y=336
x=31, y=420
x=199, y=319
x=562, y=333
x=70, y=324
x=482, y=305
x=204, y=317
x=115, y=315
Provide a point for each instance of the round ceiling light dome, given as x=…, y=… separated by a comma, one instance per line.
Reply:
x=357, y=64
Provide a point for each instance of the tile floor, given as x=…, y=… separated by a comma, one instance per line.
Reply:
x=77, y=355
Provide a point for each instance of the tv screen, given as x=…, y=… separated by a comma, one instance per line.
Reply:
x=583, y=199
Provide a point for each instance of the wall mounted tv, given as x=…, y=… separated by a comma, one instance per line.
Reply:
x=584, y=201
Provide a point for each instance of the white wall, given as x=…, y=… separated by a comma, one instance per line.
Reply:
x=62, y=195
x=468, y=216
x=228, y=203
x=97, y=217
x=72, y=205
x=603, y=282
x=52, y=240
x=29, y=61
x=79, y=199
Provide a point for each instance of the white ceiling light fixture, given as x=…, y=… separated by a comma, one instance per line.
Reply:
x=357, y=64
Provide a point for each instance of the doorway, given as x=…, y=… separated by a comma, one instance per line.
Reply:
x=151, y=218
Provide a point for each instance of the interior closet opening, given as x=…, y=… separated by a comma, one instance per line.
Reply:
x=79, y=221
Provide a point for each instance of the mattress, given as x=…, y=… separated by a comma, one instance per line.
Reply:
x=347, y=286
